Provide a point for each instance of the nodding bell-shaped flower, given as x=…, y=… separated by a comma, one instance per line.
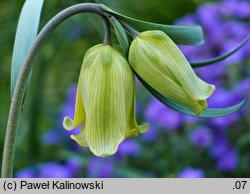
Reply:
x=105, y=102
x=160, y=63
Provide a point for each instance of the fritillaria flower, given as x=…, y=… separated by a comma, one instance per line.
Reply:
x=159, y=62
x=105, y=102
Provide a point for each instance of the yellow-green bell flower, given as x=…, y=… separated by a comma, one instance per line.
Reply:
x=160, y=63
x=105, y=102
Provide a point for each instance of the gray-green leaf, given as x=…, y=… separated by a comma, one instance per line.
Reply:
x=207, y=113
x=222, y=57
x=120, y=34
x=187, y=35
x=25, y=35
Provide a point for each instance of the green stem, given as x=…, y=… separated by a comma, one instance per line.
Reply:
x=107, y=36
x=16, y=102
x=134, y=33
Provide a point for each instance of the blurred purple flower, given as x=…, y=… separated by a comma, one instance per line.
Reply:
x=219, y=147
x=223, y=98
x=236, y=31
x=225, y=156
x=222, y=34
x=190, y=119
x=235, y=8
x=228, y=161
x=28, y=172
x=74, y=165
x=50, y=170
x=170, y=119
x=129, y=147
x=191, y=172
x=54, y=170
x=99, y=167
x=165, y=117
x=242, y=9
x=152, y=133
x=207, y=15
x=222, y=123
x=243, y=87
x=218, y=98
x=152, y=111
x=201, y=136
x=213, y=74
x=236, y=58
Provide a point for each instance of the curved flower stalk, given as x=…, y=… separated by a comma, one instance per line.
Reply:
x=159, y=62
x=105, y=102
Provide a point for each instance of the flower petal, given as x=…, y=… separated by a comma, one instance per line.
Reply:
x=79, y=117
x=161, y=82
x=105, y=80
x=161, y=65
x=171, y=58
x=80, y=138
x=135, y=129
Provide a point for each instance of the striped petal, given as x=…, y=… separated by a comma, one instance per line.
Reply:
x=158, y=61
x=105, y=101
x=79, y=117
x=135, y=129
x=107, y=84
x=81, y=138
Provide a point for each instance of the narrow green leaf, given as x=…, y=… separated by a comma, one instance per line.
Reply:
x=220, y=58
x=187, y=35
x=25, y=35
x=121, y=35
x=207, y=113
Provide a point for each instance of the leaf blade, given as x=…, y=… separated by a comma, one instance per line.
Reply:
x=207, y=113
x=187, y=35
x=222, y=57
x=121, y=35
x=26, y=33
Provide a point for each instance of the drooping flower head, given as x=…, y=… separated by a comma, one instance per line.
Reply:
x=159, y=62
x=105, y=102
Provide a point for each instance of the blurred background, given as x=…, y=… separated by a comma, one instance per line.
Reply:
x=175, y=145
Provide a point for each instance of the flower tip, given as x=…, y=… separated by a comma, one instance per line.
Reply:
x=203, y=103
x=77, y=140
x=198, y=113
x=67, y=123
x=105, y=153
x=213, y=87
x=144, y=127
